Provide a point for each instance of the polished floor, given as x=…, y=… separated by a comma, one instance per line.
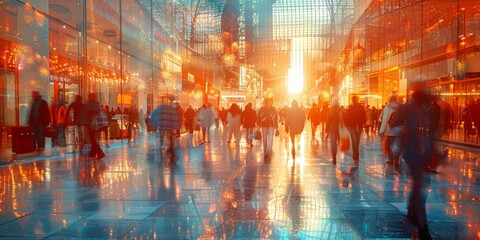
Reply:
x=220, y=191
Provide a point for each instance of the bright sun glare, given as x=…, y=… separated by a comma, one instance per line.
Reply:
x=295, y=73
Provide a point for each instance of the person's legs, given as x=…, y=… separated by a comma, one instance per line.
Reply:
x=314, y=130
x=230, y=133
x=270, y=133
x=265, y=141
x=416, y=204
x=292, y=141
x=95, y=150
x=34, y=130
x=204, y=129
x=355, y=135
x=333, y=147
x=162, y=137
x=41, y=137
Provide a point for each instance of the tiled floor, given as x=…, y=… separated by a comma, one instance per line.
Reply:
x=223, y=192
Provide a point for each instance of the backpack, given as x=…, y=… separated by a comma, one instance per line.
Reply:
x=392, y=118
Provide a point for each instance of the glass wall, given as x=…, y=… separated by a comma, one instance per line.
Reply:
x=389, y=50
x=65, y=48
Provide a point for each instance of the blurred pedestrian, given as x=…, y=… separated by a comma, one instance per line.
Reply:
x=39, y=119
x=268, y=121
x=294, y=124
x=205, y=120
x=234, y=123
x=315, y=118
x=388, y=130
x=323, y=120
x=93, y=108
x=190, y=119
x=62, y=123
x=417, y=152
x=80, y=120
x=165, y=118
x=355, y=119
x=180, y=113
x=334, y=119
x=249, y=122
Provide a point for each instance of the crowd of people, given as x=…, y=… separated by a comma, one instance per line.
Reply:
x=407, y=129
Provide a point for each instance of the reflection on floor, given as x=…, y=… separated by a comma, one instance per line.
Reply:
x=227, y=191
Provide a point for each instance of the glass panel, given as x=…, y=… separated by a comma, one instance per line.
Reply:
x=69, y=12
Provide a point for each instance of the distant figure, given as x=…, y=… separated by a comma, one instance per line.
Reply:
x=205, y=119
x=180, y=113
x=417, y=153
x=80, y=119
x=334, y=119
x=268, y=121
x=294, y=124
x=190, y=119
x=234, y=123
x=323, y=120
x=39, y=119
x=62, y=123
x=249, y=122
x=315, y=117
x=355, y=119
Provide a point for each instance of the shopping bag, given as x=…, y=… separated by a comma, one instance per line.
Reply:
x=344, y=139
x=258, y=135
x=99, y=121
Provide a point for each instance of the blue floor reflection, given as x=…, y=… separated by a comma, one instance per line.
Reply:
x=221, y=191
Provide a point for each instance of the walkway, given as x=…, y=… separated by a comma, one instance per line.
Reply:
x=223, y=192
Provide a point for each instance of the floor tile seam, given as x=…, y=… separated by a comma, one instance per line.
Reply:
x=30, y=213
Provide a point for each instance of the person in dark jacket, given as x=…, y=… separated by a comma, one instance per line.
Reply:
x=417, y=152
x=249, y=121
x=294, y=123
x=39, y=119
x=355, y=119
x=80, y=120
x=315, y=117
x=268, y=120
x=333, y=127
x=190, y=119
x=92, y=108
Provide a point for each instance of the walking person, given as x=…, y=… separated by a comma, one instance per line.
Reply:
x=323, y=120
x=80, y=120
x=249, y=122
x=189, y=119
x=206, y=119
x=268, y=121
x=294, y=124
x=165, y=118
x=334, y=119
x=315, y=117
x=62, y=124
x=93, y=108
x=39, y=119
x=234, y=123
x=417, y=152
x=355, y=119
x=387, y=129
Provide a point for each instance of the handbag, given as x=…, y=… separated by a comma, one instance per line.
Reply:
x=99, y=121
x=344, y=139
x=258, y=135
